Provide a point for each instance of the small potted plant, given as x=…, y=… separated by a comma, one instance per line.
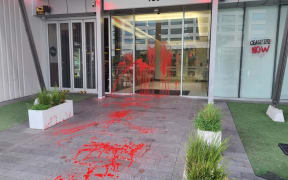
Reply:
x=49, y=109
x=208, y=124
x=205, y=161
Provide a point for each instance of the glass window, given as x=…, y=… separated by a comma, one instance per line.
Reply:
x=128, y=33
x=158, y=62
x=188, y=38
x=196, y=54
x=53, y=55
x=65, y=55
x=258, y=52
x=188, y=30
x=151, y=32
x=189, y=21
x=164, y=31
x=141, y=23
x=90, y=55
x=140, y=41
x=151, y=23
x=122, y=54
x=176, y=31
x=77, y=55
x=128, y=41
x=176, y=21
x=164, y=23
x=175, y=39
x=284, y=93
x=228, y=52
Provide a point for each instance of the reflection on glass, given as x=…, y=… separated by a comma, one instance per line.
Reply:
x=228, y=49
x=158, y=53
x=65, y=55
x=122, y=54
x=90, y=55
x=257, y=67
x=196, y=53
x=284, y=10
x=77, y=55
x=53, y=58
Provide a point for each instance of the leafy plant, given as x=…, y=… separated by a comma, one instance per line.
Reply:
x=40, y=107
x=44, y=98
x=209, y=119
x=57, y=97
x=49, y=99
x=203, y=161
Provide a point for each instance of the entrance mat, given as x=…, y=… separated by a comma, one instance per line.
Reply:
x=284, y=148
x=162, y=92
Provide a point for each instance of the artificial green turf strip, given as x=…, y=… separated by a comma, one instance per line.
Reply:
x=13, y=114
x=260, y=137
x=17, y=113
x=79, y=97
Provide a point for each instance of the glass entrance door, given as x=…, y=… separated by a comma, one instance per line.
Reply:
x=158, y=53
x=166, y=53
x=76, y=59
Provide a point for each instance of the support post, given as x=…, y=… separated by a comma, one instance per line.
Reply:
x=100, y=49
x=281, y=67
x=214, y=16
x=32, y=44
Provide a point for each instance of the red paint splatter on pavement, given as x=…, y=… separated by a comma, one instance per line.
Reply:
x=104, y=159
x=75, y=129
x=98, y=159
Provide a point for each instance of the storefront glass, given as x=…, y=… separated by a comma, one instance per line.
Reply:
x=158, y=53
x=283, y=13
x=259, y=51
x=228, y=52
x=122, y=54
x=65, y=55
x=77, y=55
x=196, y=53
x=53, y=54
x=90, y=55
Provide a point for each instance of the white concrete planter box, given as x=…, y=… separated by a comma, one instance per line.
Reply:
x=210, y=136
x=43, y=119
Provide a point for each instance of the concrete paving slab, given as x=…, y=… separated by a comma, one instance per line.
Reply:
x=121, y=137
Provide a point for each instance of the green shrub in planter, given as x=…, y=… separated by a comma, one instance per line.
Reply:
x=44, y=98
x=49, y=99
x=203, y=161
x=40, y=107
x=209, y=119
x=57, y=97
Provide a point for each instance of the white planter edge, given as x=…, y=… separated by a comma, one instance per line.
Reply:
x=210, y=136
x=43, y=119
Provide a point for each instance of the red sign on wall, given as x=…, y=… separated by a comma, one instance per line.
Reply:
x=261, y=46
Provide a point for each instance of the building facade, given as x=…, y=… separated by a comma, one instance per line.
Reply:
x=191, y=49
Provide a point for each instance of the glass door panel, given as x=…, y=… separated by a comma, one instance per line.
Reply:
x=90, y=55
x=65, y=55
x=122, y=54
x=196, y=53
x=158, y=53
x=77, y=54
x=53, y=55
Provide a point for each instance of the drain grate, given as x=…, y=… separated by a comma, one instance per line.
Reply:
x=284, y=148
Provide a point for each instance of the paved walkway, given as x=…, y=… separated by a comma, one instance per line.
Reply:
x=121, y=137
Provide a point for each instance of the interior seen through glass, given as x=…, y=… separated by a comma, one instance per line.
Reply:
x=158, y=41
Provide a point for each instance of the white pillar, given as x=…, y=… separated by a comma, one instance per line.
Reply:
x=100, y=49
x=212, y=51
